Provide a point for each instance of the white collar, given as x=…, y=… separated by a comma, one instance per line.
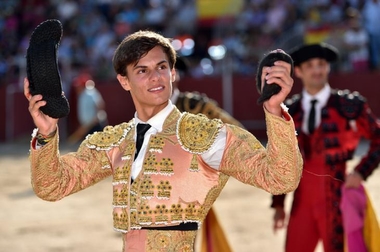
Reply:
x=322, y=96
x=157, y=121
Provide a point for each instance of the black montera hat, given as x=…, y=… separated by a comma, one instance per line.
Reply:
x=303, y=53
x=42, y=68
x=267, y=91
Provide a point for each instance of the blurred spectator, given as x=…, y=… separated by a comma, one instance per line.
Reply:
x=90, y=108
x=356, y=4
x=67, y=9
x=371, y=19
x=356, y=42
x=155, y=16
x=276, y=16
x=93, y=28
x=252, y=17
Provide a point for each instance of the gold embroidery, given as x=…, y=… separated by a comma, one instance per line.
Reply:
x=289, y=168
x=191, y=212
x=164, y=189
x=105, y=162
x=133, y=200
x=156, y=143
x=184, y=246
x=121, y=220
x=147, y=188
x=243, y=135
x=280, y=162
x=120, y=197
x=196, y=133
x=109, y=137
x=170, y=124
x=176, y=213
x=160, y=241
x=144, y=215
x=161, y=213
x=133, y=216
x=194, y=164
x=166, y=166
x=122, y=173
x=134, y=187
x=129, y=151
x=147, y=202
x=150, y=165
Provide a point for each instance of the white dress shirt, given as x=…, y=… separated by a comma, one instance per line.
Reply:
x=322, y=98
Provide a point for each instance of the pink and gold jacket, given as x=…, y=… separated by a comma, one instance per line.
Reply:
x=175, y=185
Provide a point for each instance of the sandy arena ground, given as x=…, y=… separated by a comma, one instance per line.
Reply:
x=83, y=222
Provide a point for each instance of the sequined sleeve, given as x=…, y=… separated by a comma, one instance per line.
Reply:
x=55, y=176
x=277, y=168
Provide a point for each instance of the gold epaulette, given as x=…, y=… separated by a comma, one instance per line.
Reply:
x=197, y=133
x=110, y=137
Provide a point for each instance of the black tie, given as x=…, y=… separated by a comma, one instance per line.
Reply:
x=142, y=128
x=311, y=123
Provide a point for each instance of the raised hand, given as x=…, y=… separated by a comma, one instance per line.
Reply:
x=44, y=123
x=278, y=74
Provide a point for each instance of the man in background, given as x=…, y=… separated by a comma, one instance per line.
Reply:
x=330, y=123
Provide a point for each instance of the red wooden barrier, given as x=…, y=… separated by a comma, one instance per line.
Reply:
x=120, y=108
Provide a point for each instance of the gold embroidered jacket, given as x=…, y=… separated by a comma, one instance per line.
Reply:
x=175, y=185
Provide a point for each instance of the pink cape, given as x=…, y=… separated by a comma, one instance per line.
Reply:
x=361, y=228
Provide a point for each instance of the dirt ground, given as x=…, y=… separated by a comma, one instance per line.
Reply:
x=83, y=222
